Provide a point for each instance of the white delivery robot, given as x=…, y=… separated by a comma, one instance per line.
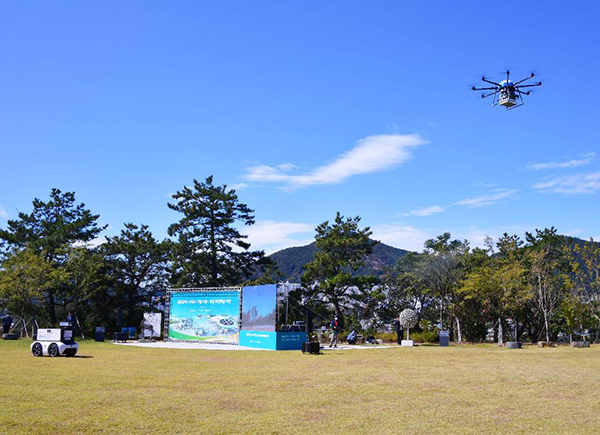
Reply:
x=54, y=342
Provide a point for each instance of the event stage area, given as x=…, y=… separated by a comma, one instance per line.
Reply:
x=232, y=347
x=245, y=316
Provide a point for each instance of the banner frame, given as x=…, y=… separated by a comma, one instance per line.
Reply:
x=172, y=290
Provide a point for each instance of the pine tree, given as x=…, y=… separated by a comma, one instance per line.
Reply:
x=210, y=251
x=50, y=230
x=342, y=248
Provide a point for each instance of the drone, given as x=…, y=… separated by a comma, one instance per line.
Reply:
x=507, y=93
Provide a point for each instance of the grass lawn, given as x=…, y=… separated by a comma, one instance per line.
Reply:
x=467, y=389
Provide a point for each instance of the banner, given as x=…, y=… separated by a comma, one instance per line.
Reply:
x=152, y=325
x=259, y=308
x=273, y=340
x=210, y=316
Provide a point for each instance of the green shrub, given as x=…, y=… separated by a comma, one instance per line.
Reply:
x=425, y=337
x=386, y=337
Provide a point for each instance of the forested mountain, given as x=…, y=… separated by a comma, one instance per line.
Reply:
x=291, y=260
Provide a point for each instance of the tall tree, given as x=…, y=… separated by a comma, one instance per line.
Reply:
x=210, y=250
x=500, y=284
x=402, y=287
x=342, y=247
x=548, y=267
x=89, y=286
x=138, y=264
x=585, y=263
x=50, y=229
x=443, y=269
x=24, y=277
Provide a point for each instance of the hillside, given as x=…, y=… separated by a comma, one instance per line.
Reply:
x=291, y=260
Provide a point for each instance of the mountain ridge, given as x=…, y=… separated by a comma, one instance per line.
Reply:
x=290, y=261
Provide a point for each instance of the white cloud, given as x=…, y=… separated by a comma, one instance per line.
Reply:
x=372, y=154
x=238, y=186
x=485, y=185
x=585, y=160
x=401, y=236
x=427, y=211
x=272, y=236
x=571, y=184
x=94, y=243
x=3, y=213
x=488, y=199
x=413, y=238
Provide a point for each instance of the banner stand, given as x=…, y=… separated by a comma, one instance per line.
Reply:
x=228, y=315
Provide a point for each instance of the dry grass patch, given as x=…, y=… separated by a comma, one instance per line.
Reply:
x=469, y=389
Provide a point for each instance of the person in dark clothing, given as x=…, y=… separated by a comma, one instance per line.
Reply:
x=352, y=337
x=6, y=324
x=69, y=319
x=398, y=328
x=336, y=326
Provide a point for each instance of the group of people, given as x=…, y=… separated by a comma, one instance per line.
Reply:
x=336, y=327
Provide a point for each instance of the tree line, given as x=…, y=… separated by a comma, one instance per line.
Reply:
x=50, y=266
x=546, y=287
x=543, y=287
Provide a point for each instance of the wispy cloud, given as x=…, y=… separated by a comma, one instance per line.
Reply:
x=94, y=243
x=571, y=184
x=585, y=159
x=3, y=213
x=491, y=198
x=402, y=236
x=413, y=238
x=238, y=186
x=369, y=155
x=485, y=185
x=271, y=236
x=427, y=211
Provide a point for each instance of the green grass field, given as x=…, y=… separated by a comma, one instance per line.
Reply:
x=467, y=389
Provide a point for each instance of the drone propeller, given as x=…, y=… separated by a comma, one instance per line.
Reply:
x=489, y=81
x=490, y=94
x=530, y=86
x=532, y=75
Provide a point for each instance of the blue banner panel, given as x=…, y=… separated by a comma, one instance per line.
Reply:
x=210, y=316
x=290, y=340
x=259, y=307
x=259, y=339
x=272, y=340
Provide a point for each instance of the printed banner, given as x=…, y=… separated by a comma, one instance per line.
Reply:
x=210, y=316
x=152, y=325
x=273, y=340
x=259, y=308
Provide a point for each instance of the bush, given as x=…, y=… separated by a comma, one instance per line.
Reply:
x=386, y=337
x=425, y=337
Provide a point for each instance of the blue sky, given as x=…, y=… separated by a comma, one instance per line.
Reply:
x=307, y=108
x=263, y=297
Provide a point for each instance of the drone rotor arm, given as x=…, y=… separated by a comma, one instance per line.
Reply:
x=490, y=94
x=529, y=86
x=490, y=82
x=483, y=89
x=525, y=79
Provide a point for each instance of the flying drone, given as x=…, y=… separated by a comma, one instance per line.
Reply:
x=507, y=93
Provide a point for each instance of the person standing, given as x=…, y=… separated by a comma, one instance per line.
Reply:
x=336, y=326
x=69, y=319
x=6, y=324
x=398, y=328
